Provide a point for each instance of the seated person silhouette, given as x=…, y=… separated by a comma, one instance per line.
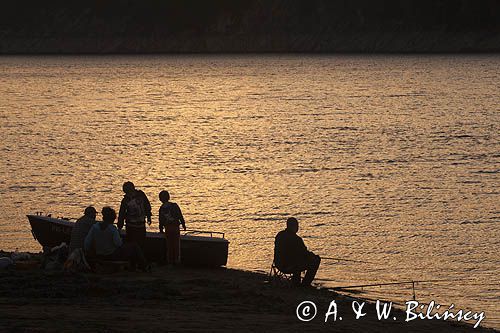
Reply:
x=104, y=242
x=291, y=255
x=82, y=228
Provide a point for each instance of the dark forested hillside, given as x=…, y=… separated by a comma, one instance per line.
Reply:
x=151, y=26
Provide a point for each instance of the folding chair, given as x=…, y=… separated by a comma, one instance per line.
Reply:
x=281, y=278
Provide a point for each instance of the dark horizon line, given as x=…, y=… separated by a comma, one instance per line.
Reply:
x=465, y=52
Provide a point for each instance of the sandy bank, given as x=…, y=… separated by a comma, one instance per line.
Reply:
x=179, y=299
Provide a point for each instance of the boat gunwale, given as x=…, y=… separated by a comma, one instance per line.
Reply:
x=149, y=234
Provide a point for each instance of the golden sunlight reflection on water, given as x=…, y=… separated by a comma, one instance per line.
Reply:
x=391, y=159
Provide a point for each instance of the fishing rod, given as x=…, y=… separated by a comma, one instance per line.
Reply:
x=391, y=283
x=388, y=284
x=341, y=259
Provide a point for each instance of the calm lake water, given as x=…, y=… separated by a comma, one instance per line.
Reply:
x=389, y=159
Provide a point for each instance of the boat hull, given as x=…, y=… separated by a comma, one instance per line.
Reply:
x=195, y=250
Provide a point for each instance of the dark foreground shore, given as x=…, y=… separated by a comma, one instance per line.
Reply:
x=179, y=299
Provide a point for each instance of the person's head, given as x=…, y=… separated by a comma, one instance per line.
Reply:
x=90, y=212
x=164, y=196
x=108, y=215
x=128, y=187
x=292, y=224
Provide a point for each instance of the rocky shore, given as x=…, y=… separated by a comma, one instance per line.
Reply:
x=179, y=299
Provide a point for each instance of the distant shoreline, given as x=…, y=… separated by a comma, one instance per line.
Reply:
x=346, y=53
x=227, y=26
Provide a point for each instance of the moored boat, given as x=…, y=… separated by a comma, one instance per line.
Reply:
x=198, y=248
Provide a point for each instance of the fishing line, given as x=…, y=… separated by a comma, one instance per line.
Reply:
x=342, y=259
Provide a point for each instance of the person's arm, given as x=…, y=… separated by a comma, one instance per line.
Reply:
x=302, y=245
x=121, y=214
x=181, y=218
x=161, y=220
x=147, y=208
x=117, y=240
x=302, y=248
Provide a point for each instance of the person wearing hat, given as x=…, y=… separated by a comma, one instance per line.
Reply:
x=81, y=228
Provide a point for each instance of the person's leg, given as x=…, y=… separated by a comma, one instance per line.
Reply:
x=137, y=236
x=132, y=253
x=313, y=262
x=166, y=247
x=130, y=234
x=296, y=278
x=170, y=234
x=137, y=256
x=141, y=237
x=177, y=245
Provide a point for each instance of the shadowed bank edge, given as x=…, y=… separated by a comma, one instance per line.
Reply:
x=182, y=299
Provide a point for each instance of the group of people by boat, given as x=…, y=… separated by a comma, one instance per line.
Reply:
x=103, y=241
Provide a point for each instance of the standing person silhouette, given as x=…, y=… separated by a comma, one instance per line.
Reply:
x=134, y=210
x=170, y=217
